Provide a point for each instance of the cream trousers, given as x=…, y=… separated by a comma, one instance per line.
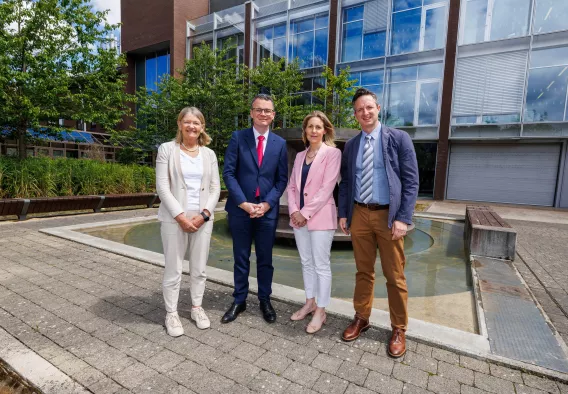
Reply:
x=175, y=242
x=315, y=250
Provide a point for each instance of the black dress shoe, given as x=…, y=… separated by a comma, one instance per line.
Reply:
x=233, y=312
x=268, y=311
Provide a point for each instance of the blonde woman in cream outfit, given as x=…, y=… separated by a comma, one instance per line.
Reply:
x=187, y=180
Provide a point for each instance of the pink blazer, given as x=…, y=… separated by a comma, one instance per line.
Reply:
x=319, y=206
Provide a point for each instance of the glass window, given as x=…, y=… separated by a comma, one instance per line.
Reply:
x=400, y=104
x=400, y=5
x=435, y=28
x=272, y=42
x=302, y=26
x=510, y=18
x=403, y=74
x=475, y=19
x=163, y=66
x=353, y=14
x=280, y=30
x=406, y=31
x=304, y=44
x=374, y=44
x=351, y=47
x=427, y=71
x=550, y=15
x=322, y=22
x=374, y=77
x=320, y=51
x=279, y=48
x=428, y=105
x=549, y=57
x=151, y=74
x=546, y=94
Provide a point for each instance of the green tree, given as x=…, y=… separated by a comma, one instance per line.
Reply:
x=336, y=96
x=57, y=61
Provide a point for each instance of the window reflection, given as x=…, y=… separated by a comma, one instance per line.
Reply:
x=550, y=15
x=357, y=43
x=435, y=28
x=308, y=41
x=372, y=80
x=272, y=42
x=428, y=106
x=547, y=87
x=406, y=31
x=474, y=24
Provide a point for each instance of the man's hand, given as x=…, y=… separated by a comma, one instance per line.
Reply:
x=298, y=219
x=248, y=207
x=343, y=226
x=398, y=230
x=260, y=210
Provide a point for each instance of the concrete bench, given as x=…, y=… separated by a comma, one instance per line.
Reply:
x=486, y=234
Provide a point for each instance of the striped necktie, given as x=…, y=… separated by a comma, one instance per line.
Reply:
x=367, y=171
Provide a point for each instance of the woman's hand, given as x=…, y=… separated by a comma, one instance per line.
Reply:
x=186, y=224
x=197, y=221
x=298, y=219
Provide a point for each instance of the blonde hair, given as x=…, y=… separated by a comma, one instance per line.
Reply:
x=328, y=137
x=203, y=138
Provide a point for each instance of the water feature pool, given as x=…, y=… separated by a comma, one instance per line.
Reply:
x=438, y=276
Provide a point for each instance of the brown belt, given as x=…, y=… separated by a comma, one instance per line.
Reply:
x=372, y=207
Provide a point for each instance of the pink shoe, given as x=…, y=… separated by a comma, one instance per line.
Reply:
x=302, y=313
x=313, y=328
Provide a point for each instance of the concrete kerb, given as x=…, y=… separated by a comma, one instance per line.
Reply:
x=460, y=342
x=35, y=369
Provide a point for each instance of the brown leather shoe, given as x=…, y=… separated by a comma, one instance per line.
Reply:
x=397, y=343
x=357, y=326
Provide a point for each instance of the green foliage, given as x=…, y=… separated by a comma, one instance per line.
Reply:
x=337, y=95
x=56, y=61
x=129, y=155
x=45, y=177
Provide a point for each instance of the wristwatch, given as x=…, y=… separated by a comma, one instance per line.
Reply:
x=205, y=217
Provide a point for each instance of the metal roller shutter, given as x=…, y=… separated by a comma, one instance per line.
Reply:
x=518, y=174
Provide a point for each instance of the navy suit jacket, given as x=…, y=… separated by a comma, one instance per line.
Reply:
x=402, y=173
x=242, y=173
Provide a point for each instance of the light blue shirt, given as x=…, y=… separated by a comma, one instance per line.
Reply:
x=381, y=192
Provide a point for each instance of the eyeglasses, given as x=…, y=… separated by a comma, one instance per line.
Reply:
x=265, y=111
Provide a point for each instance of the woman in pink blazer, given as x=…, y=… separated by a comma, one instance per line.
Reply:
x=313, y=214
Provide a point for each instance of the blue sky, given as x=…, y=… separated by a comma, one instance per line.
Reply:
x=112, y=5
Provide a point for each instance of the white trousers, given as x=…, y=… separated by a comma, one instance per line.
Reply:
x=315, y=251
x=175, y=242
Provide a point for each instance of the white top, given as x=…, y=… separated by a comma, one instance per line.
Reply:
x=192, y=170
x=256, y=135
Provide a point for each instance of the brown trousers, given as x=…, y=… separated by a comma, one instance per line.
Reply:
x=369, y=229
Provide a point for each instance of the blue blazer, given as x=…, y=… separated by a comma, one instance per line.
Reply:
x=242, y=173
x=402, y=173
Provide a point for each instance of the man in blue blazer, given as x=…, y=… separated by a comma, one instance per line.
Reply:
x=377, y=194
x=256, y=175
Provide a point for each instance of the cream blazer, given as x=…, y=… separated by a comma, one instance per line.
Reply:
x=171, y=185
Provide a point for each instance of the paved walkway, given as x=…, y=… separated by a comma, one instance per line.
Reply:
x=97, y=317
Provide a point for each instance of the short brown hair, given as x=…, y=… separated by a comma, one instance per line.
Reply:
x=364, y=92
x=203, y=138
x=328, y=137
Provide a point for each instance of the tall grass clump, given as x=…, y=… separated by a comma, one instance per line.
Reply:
x=46, y=177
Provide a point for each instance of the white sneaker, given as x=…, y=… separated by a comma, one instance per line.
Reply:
x=200, y=318
x=173, y=324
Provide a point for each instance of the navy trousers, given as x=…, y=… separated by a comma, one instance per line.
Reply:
x=244, y=231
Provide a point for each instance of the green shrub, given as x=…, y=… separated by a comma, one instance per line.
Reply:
x=46, y=177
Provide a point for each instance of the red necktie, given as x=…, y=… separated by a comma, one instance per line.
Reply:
x=260, y=154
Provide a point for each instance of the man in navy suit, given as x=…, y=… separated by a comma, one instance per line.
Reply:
x=256, y=175
x=377, y=194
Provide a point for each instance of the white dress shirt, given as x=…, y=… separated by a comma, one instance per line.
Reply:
x=192, y=170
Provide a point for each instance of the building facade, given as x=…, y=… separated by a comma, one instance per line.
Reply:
x=479, y=85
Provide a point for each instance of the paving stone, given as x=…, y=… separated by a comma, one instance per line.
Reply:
x=444, y=355
x=354, y=389
x=383, y=384
x=255, y=336
x=471, y=390
x=506, y=373
x=493, y=384
x=425, y=363
x=425, y=350
x=236, y=369
x=376, y=363
x=269, y=383
x=347, y=353
x=411, y=389
x=163, y=361
x=330, y=384
x=105, y=386
x=273, y=362
x=156, y=384
x=131, y=376
x=323, y=345
x=248, y=352
x=212, y=382
x=110, y=363
x=187, y=373
x=455, y=372
x=302, y=374
x=182, y=345
x=540, y=383
x=303, y=354
x=353, y=372
x=441, y=385
x=327, y=363
x=410, y=375
x=204, y=355
x=367, y=344
x=474, y=364
x=295, y=388
x=522, y=389
x=563, y=387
